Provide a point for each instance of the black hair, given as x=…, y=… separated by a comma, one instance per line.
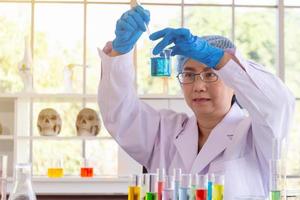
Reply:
x=234, y=100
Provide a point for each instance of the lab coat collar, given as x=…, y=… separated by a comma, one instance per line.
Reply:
x=187, y=143
x=220, y=137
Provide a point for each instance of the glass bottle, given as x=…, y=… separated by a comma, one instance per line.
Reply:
x=22, y=189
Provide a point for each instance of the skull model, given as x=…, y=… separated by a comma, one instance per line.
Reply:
x=49, y=122
x=87, y=123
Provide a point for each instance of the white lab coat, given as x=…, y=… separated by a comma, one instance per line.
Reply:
x=239, y=146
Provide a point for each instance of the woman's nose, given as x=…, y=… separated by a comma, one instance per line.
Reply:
x=199, y=84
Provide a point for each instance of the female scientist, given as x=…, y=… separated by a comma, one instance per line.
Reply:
x=220, y=137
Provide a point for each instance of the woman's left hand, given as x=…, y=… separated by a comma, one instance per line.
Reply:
x=187, y=45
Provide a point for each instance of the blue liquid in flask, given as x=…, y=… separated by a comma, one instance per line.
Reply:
x=160, y=66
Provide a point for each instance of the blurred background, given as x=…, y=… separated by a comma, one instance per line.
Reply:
x=63, y=32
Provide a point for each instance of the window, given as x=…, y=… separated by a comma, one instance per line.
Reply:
x=67, y=32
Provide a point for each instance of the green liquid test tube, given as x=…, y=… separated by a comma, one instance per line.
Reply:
x=275, y=195
x=151, y=196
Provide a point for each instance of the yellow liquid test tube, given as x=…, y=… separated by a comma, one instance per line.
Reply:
x=218, y=192
x=134, y=193
x=55, y=172
x=134, y=188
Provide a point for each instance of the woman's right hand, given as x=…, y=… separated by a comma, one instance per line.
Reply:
x=129, y=28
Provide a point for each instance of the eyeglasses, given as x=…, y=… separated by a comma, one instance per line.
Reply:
x=189, y=77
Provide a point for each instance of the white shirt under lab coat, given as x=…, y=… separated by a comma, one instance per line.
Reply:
x=240, y=146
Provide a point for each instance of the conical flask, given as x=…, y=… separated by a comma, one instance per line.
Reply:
x=22, y=189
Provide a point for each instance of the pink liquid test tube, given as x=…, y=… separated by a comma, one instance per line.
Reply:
x=160, y=183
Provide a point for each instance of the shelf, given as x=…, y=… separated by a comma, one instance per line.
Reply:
x=6, y=137
x=119, y=179
x=63, y=138
x=84, y=186
x=74, y=96
x=46, y=96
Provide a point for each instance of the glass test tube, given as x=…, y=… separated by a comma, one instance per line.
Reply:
x=177, y=176
x=144, y=186
x=218, y=187
x=160, y=183
x=152, y=187
x=193, y=186
x=134, y=188
x=211, y=180
x=275, y=180
x=185, y=187
x=168, y=191
x=201, y=191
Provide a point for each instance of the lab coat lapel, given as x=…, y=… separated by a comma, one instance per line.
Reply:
x=219, y=139
x=187, y=143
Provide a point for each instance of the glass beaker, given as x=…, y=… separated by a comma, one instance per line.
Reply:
x=55, y=170
x=22, y=189
x=161, y=64
x=86, y=171
x=3, y=176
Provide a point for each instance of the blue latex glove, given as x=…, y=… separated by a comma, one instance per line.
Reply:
x=129, y=28
x=186, y=44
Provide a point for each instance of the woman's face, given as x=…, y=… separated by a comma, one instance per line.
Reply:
x=206, y=98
